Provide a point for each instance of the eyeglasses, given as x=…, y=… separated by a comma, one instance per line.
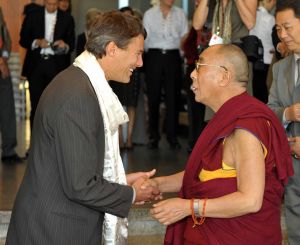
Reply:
x=198, y=65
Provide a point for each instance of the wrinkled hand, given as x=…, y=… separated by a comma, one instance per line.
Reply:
x=154, y=184
x=4, y=69
x=144, y=193
x=295, y=146
x=293, y=113
x=131, y=178
x=171, y=210
x=283, y=50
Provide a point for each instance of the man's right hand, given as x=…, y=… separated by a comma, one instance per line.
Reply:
x=144, y=192
x=42, y=43
x=293, y=113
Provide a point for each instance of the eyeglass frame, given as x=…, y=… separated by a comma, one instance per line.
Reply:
x=198, y=64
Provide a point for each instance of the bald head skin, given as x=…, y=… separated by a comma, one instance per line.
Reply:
x=234, y=59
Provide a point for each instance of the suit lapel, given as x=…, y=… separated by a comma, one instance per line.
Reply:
x=57, y=26
x=290, y=75
x=42, y=21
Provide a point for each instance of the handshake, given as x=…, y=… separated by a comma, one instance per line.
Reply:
x=146, y=189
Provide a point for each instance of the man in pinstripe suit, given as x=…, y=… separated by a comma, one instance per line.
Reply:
x=75, y=175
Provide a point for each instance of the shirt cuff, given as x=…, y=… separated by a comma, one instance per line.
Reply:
x=33, y=45
x=5, y=54
x=134, y=195
x=284, y=121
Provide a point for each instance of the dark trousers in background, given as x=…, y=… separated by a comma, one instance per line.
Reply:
x=163, y=70
x=196, y=110
x=259, y=83
x=39, y=79
x=7, y=117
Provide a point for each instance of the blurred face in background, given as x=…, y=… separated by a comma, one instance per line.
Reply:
x=269, y=4
x=64, y=5
x=51, y=5
x=288, y=29
x=167, y=3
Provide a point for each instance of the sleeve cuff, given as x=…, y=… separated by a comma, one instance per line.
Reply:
x=133, y=196
x=5, y=54
x=284, y=121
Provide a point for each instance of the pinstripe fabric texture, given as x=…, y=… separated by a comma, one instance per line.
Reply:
x=63, y=197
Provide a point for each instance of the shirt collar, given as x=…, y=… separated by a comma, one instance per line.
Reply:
x=50, y=14
x=296, y=57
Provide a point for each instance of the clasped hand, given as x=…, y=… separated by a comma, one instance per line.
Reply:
x=145, y=189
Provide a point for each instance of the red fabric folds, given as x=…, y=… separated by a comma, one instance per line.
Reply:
x=242, y=111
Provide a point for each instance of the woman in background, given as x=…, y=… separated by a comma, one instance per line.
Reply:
x=128, y=95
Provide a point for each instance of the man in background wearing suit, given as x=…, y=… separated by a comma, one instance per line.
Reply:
x=7, y=104
x=75, y=179
x=48, y=35
x=284, y=100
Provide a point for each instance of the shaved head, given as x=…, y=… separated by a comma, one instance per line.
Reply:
x=233, y=58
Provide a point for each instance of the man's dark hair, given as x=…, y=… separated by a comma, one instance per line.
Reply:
x=127, y=9
x=113, y=26
x=283, y=5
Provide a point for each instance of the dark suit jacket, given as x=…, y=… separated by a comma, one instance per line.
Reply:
x=80, y=44
x=33, y=27
x=63, y=196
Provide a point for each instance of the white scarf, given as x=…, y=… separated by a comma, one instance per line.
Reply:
x=113, y=108
x=114, y=228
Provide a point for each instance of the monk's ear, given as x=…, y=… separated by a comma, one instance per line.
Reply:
x=226, y=78
x=111, y=49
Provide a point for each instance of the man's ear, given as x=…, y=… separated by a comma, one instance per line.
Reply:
x=111, y=49
x=226, y=77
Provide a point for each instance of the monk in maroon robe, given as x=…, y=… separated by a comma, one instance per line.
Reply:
x=234, y=179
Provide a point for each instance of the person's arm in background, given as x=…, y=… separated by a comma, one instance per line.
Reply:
x=5, y=48
x=201, y=13
x=247, y=11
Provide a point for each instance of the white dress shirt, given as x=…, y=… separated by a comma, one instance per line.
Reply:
x=50, y=22
x=164, y=33
x=263, y=30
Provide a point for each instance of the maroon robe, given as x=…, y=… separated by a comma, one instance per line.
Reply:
x=263, y=227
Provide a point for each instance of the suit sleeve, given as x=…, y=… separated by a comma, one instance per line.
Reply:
x=26, y=38
x=70, y=33
x=79, y=144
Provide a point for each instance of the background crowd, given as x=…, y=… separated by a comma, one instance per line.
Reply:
x=267, y=31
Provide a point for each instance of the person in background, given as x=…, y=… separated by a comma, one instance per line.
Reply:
x=232, y=187
x=166, y=25
x=263, y=30
x=91, y=15
x=284, y=100
x=196, y=111
x=128, y=96
x=7, y=104
x=192, y=46
x=32, y=6
x=232, y=20
x=48, y=35
x=75, y=180
x=66, y=6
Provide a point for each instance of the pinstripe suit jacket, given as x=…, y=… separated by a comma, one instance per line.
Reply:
x=283, y=92
x=63, y=196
